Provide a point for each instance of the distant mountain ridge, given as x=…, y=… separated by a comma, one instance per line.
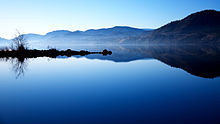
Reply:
x=203, y=26
x=117, y=30
x=3, y=41
x=199, y=27
x=95, y=36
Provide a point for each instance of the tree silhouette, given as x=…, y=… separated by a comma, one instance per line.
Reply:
x=19, y=42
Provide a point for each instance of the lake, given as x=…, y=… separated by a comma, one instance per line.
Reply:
x=136, y=84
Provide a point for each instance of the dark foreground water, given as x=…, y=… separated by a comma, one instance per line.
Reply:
x=136, y=84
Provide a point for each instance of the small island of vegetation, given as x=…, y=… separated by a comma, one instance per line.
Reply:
x=19, y=49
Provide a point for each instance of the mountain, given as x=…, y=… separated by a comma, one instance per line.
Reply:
x=32, y=38
x=147, y=29
x=2, y=39
x=118, y=30
x=113, y=35
x=200, y=27
x=3, y=42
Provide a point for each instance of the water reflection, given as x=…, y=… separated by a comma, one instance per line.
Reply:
x=198, y=60
x=202, y=61
x=19, y=65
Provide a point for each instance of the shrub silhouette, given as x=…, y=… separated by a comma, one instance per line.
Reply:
x=19, y=43
x=19, y=49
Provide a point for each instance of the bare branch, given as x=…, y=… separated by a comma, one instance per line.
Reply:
x=19, y=42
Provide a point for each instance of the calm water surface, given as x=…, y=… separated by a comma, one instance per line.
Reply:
x=133, y=85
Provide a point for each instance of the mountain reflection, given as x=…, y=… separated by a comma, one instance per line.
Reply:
x=198, y=60
x=202, y=61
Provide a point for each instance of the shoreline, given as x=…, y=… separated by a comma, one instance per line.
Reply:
x=53, y=53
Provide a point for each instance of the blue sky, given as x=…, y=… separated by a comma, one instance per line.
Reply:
x=42, y=16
